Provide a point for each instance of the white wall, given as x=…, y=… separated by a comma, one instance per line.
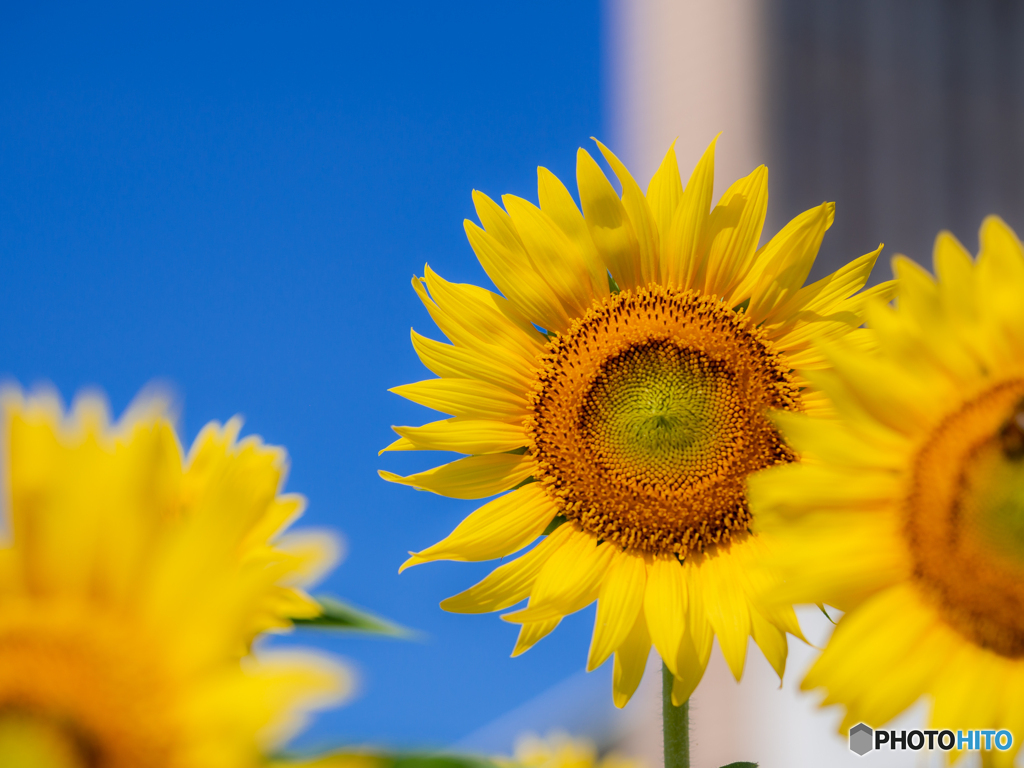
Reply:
x=686, y=69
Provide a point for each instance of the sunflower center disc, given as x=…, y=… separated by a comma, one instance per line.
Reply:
x=648, y=415
x=656, y=413
x=965, y=519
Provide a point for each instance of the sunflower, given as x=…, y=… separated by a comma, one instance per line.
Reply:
x=128, y=585
x=618, y=390
x=908, y=511
x=235, y=481
x=560, y=750
x=557, y=750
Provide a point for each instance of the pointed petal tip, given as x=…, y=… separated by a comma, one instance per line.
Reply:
x=390, y=446
x=413, y=560
x=581, y=153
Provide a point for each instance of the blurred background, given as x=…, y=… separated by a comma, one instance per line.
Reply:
x=231, y=199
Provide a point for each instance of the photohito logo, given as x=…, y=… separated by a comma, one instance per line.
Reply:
x=864, y=739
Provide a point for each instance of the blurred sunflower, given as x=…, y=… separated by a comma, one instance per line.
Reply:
x=130, y=583
x=908, y=512
x=559, y=750
x=618, y=389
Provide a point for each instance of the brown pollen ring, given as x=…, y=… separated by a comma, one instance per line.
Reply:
x=976, y=584
x=648, y=415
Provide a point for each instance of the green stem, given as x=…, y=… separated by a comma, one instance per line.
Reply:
x=675, y=723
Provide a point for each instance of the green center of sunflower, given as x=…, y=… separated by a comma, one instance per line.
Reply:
x=965, y=519
x=649, y=414
x=993, y=495
x=657, y=411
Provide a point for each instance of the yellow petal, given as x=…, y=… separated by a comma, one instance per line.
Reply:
x=781, y=267
x=608, y=222
x=500, y=527
x=557, y=203
x=569, y=580
x=553, y=255
x=532, y=633
x=771, y=640
x=733, y=229
x=472, y=436
x=882, y=293
x=619, y=601
x=691, y=662
x=955, y=270
x=516, y=278
x=725, y=602
x=821, y=487
x=960, y=700
x=1000, y=276
x=904, y=683
x=314, y=554
x=665, y=605
x=838, y=443
x=864, y=643
x=997, y=239
x=474, y=477
x=665, y=191
x=918, y=293
x=498, y=225
x=695, y=648
x=490, y=314
x=826, y=295
x=510, y=583
x=465, y=397
x=680, y=259
x=630, y=661
x=477, y=318
x=905, y=405
x=486, y=362
x=401, y=444
x=640, y=216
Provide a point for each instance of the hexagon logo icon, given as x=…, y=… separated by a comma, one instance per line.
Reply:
x=862, y=739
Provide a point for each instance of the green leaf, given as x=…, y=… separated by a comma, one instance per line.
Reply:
x=340, y=615
x=612, y=285
x=740, y=765
x=556, y=521
x=821, y=607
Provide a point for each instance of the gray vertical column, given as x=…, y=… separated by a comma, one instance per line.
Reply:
x=910, y=115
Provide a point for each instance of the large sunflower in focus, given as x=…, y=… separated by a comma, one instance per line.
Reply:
x=908, y=512
x=130, y=585
x=618, y=389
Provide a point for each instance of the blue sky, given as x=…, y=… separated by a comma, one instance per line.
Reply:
x=232, y=199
